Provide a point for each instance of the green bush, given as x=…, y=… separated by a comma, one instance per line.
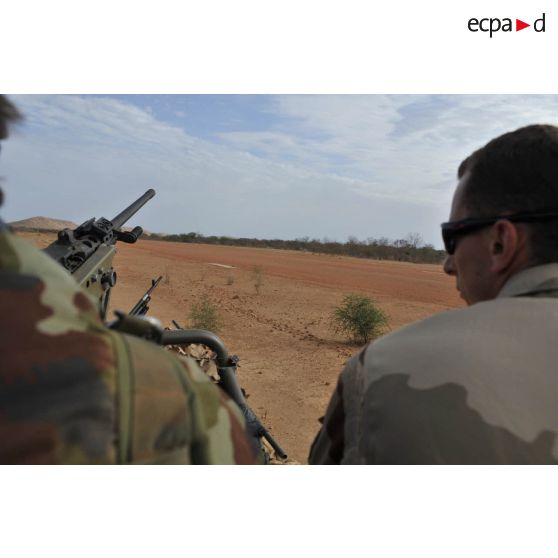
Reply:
x=205, y=315
x=359, y=318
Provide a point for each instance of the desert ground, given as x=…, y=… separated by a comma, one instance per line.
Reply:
x=289, y=355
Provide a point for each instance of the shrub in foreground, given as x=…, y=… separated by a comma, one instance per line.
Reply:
x=359, y=318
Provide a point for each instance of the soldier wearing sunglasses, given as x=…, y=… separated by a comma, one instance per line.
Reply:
x=480, y=384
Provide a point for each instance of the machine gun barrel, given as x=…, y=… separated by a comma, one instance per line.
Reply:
x=132, y=209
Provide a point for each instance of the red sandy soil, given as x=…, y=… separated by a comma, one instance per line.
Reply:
x=289, y=356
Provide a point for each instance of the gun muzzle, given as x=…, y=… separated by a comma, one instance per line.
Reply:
x=132, y=209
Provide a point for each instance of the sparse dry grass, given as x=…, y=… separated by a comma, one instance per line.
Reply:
x=257, y=277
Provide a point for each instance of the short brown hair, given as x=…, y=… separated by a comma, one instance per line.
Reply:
x=8, y=113
x=516, y=173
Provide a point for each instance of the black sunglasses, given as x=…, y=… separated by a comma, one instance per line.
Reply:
x=452, y=230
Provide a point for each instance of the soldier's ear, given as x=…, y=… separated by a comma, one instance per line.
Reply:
x=504, y=245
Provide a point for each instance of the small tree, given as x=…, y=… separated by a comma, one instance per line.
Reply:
x=205, y=315
x=359, y=318
x=414, y=240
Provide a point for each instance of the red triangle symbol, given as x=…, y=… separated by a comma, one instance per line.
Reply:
x=519, y=25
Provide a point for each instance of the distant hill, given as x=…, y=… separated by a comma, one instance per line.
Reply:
x=48, y=224
x=43, y=223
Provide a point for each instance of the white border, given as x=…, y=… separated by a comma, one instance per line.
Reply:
x=254, y=46
x=271, y=46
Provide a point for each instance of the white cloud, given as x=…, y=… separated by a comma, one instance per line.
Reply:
x=406, y=147
x=326, y=165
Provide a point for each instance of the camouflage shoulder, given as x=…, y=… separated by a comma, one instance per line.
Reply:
x=170, y=411
x=57, y=369
x=71, y=307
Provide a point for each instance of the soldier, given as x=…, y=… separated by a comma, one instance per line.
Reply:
x=479, y=384
x=73, y=391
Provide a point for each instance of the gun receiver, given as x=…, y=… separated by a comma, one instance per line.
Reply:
x=87, y=251
x=226, y=368
x=141, y=307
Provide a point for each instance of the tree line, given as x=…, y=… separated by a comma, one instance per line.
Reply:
x=408, y=249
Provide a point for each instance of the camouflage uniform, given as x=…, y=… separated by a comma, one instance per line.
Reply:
x=477, y=385
x=73, y=391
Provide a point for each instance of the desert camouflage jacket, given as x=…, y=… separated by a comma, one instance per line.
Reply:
x=73, y=391
x=477, y=385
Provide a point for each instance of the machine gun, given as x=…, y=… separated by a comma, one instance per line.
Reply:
x=228, y=382
x=87, y=251
x=141, y=307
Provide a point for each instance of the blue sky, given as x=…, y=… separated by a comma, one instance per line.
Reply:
x=262, y=166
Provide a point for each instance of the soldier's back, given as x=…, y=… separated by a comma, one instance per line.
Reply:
x=477, y=385
x=73, y=391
